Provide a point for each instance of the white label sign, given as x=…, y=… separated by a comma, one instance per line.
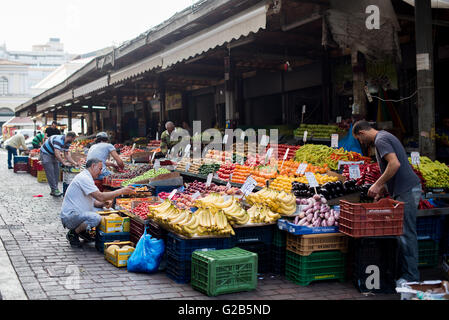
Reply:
x=157, y=135
x=264, y=141
x=248, y=186
x=188, y=166
x=422, y=61
x=188, y=147
x=334, y=140
x=209, y=179
x=415, y=158
x=228, y=185
x=172, y=194
x=134, y=146
x=342, y=163
x=354, y=172
x=304, y=109
x=301, y=168
x=152, y=157
x=286, y=153
x=338, y=119
x=196, y=195
x=305, y=136
x=157, y=165
x=311, y=179
x=225, y=139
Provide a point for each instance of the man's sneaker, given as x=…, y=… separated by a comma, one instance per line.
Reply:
x=73, y=238
x=86, y=236
x=56, y=193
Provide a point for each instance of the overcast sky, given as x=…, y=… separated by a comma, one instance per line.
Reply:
x=82, y=25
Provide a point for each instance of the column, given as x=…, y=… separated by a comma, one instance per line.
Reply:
x=98, y=122
x=90, y=122
x=55, y=115
x=69, y=118
x=229, y=88
x=82, y=124
x=358, y=86
x=119, y=117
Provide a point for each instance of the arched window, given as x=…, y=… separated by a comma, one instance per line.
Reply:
x=3, y=86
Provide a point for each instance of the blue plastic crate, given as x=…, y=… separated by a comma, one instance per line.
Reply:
x=178, y=270
x=429, y=228
x=182, y=249
x=21, y=159
x=101, y=238
x=295, y=229
x=262, y=234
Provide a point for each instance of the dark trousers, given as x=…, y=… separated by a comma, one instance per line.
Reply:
x=11, y=153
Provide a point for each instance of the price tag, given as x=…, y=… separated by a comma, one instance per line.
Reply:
x=228, y=185
x=334, y=140
x=305, y=137
x=152, y=157
x=264, y=140
x=225, y=139
x=187, y=167
x=304, y=109
x=342, y=163
x=157, y=165
x=415, y=158
x=134, y=161
x=157, y=135
x=188, y=147
x=338, y=119
x=248, y=186
x=301, y=168
x=242, y=136
x=286, y=153
x=134, y=146
x=209, y=179
x=172, y=194
x=311, y=179
x=196, y=195
x=354, y=172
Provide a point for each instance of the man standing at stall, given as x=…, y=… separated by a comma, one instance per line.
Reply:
x=78, y=211
x=102, y=150
x=166, y=142
x=38, y=140
x=402, y=183
x=51, y=156
x=52, y=130
x=14, y=143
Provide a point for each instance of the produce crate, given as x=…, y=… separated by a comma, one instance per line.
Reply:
x=136, y=228
x=121, y=256
x=37, y=165
x=224, y=271
x=21, y=167
x=382, y=218
x=429, y=227
x=101, y=238
x=112, y=225
x=325, y=265
x=428, y=253
x=279, y=238
x=178, y=270
x=33, y=172
x=41, y=176
x=253, y=234
x=263, y=251
x=382, y=253
x=182, y=249
x=292, y=228
x=156, y=231
x=278, y=259
x=21, y=159
x=304, y=245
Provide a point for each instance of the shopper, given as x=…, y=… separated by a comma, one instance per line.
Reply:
x=166, y=142
x=51, y=156
x=102, y=150
x=52, y=130
x=14, y=143
x=38, y=140
x=402, y=183
x=78, y=211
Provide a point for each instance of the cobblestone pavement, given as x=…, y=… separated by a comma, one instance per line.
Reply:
x=45, y=263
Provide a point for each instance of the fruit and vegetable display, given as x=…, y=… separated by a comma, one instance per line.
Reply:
x=141, y=210
x=320, y=131
x=435, y=173
x=329, y=190
x=205, y=169
x=282, y=149
x=424, y=205
x=286, y=183
x=130, y=171
x=233, y=211
x=225, y=171
x=317, y=213
x=278, y=201
x=125, y=203
x=369, y=173
x=261, y=213
x=199, y=186
x=147, y=175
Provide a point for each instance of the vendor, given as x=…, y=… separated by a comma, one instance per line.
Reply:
x=52, y=130
x=14, y=143
x=102, y=150
x=51, y=156
x=166, y=142
x=402, y=183
x=38, y=140
x=78, y=211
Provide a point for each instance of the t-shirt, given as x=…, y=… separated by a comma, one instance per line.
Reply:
x=55, y=142
x=51, y=132
x=100, y=151
x=77, y=197
x=38, y=138
x=17, y=141
x=404, y=179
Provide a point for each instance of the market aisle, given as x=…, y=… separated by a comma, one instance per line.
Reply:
x=48, y=267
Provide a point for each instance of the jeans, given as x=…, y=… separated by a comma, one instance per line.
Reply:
x=51, y=167
x=408, y=242
x=73, y=220
x=11, y=152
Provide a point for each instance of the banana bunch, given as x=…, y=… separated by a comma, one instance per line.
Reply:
x=212, y=222
x=287, y=203
x=279, y=202
x=260, y=213
x=213, y=200
x=158, y=210
x=235, y=213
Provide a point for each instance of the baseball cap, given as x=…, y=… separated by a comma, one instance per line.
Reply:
x=102, y=135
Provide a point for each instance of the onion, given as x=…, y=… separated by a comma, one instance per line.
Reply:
x=324, y=223
x=296, y=220
x=321, y=215
x=327, y=215
x=323, y=200
x=336, y=223
x=302, y=214
x=331, y=221
x=309, y=217
x=309, y=211
x=303, y=201
x=298, y=201
x=317, y=197
x=313, y=201
x=337, y=215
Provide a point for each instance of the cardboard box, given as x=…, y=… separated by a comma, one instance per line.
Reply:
x=110, y=224
x=426, y=290
x=119, y=257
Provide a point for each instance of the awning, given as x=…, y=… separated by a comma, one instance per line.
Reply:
x=91, y=87
x=55, y=101
x=135, y=69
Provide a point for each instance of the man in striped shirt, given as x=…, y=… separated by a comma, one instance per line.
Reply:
x=37, y=140
x=51, y=155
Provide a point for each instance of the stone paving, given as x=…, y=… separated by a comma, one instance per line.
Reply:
x=33, y=236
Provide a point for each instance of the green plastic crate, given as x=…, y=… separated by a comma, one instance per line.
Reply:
x=428, y=253
x=279, y=238
x=324, y=265
x=224, y=271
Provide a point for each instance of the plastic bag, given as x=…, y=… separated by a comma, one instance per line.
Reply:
x=148, y=254
x=349, y=143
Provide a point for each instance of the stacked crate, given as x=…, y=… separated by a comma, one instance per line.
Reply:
x=429, y=230
x=315, y=257
x=21, y=164
x=278, y=250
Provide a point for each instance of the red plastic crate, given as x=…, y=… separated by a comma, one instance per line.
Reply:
x=37, y=165
x=21, y=167
x=382, y=218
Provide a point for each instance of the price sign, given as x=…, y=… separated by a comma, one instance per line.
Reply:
x=209, y=179
x=286, y=153
x=134, y=146
x=342, y=163
x=334, y=140
x=152, y=157
x=248, y=186
x=301, y=168
x=172, y=194
x=228, y=185
x=305, y=137
x=338, y=119
x=187, y=149
x=354, y=172
x=196, y=195
x=225, y=139
x=304, y=109
x=157, y=135
x=188, y=166
x=157, y=165
x=264, y=140
x=415, y=158
x=311, y=179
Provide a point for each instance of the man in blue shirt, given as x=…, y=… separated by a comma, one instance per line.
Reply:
x=51, y=155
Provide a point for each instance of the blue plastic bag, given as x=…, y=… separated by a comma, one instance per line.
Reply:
x=148, y=254
x=349, y=143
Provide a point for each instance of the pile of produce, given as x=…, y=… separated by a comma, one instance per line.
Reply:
x=260, y=213
x=205, y=169
x=290, y=167
x=181, y=166
x=254, y=160
x=198, y=186
x=280, y=202
x=218, y=155
x=147, y=175
x=118, y=146
x=287, y=182
x=435, y=173
x=234, y=213
x=127, y=151
x=225, y=171
x=369, y=173
x=141, y=210
x=164, y=195
x=424, y=204
x=130, y=171
x=125, y=203
x=320, y=131
x=317, y=213
x=153, y=144
x=240, y=173
x=421, y=178
x=282, y=149
x=329, y=190
x=194, y=166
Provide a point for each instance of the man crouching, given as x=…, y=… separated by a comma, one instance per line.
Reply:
x=82, y=197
